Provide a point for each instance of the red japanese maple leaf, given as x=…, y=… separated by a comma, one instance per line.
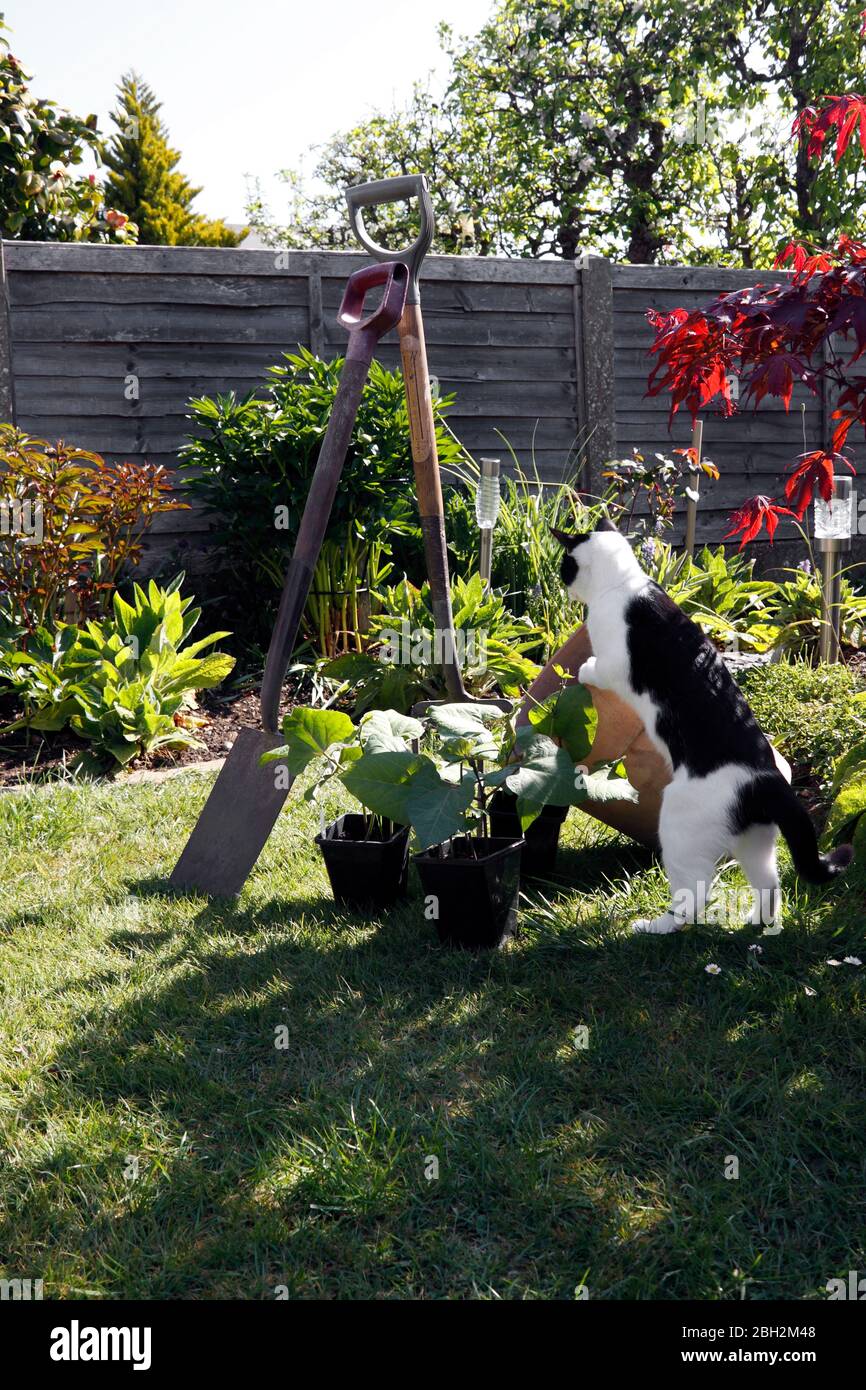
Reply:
x=775, y=377
x=841, y=113
x=814, y=473
x=753, y=514
x=805, y=264
x=693, y=360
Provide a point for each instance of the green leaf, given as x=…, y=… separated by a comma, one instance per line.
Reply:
x=601, y=786
x=381, y=782
x=570, y=717
x=384, y=731
x=545, y=774
x=436, y=808
x=309, y=733
x=464, y=719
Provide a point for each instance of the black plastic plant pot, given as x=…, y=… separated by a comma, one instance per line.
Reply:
x=365, y=866
x=475, y=883
x=541, y=840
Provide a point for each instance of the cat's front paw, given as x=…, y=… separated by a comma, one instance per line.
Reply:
x=588, y=673
x=657, y=926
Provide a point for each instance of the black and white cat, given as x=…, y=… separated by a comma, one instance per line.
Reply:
x=726, y=796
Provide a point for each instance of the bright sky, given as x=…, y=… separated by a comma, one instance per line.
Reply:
x=247, y=86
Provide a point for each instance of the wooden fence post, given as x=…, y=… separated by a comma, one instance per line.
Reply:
x=7, y=380
x=597, y=352
x=317, y=318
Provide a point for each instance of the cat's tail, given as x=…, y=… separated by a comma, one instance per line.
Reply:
x=769, y=800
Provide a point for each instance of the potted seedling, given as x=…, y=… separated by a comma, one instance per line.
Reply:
x=366, y=853
x=470, y=875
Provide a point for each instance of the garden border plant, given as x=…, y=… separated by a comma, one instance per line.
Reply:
x=124, y=683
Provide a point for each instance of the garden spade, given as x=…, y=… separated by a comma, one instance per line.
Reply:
x=413, y=353
x=246, y=799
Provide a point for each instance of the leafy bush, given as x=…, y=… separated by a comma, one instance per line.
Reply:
x=717, y=590
x=41, y=199
x=720, y=592
x=92, y=517
x=794, y=608
x=254, y=459
x=813, y=714
x=124, y=683
x=526, y=558
x=402, y=660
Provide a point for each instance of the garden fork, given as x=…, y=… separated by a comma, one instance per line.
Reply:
x=416, y=379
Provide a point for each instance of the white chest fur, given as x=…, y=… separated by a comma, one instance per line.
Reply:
x=608, y=633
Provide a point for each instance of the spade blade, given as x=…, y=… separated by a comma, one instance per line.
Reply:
x=246, y=798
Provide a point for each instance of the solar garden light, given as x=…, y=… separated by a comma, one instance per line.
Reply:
x=486, y=512
x=832, y=539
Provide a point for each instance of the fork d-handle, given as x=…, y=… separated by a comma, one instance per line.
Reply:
x=364, y=334
x=428, y=486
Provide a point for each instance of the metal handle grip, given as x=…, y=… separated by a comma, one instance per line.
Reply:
x=367, y=195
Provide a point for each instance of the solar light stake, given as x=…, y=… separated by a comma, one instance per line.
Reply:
x=486, y=512
x=832, y=539
x=693, y=492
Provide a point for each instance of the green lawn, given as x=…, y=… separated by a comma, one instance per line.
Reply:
x=139, y=1026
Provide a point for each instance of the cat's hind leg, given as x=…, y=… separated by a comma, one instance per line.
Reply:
x=692, y=844
x=755, y=850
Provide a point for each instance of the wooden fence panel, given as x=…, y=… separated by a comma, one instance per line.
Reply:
x=105, y=346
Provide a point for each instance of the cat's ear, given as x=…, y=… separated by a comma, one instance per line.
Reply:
x=604, y=523
x=567, y=542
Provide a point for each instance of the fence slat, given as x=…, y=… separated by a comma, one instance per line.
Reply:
x=598, y=365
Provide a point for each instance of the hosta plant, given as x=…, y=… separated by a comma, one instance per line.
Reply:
x=126, y=683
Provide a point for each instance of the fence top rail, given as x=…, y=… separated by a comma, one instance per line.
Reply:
x=209, y=260
x=85, y=257
x=711, y=278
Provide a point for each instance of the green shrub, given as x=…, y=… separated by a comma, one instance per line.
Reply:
x=125, y=683
x=254, y=460
x=813, y=714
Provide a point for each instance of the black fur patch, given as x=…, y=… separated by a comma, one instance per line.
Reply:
x=568, y=570
x=703, y=716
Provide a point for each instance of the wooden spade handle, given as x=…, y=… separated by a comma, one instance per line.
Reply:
x=428, y=487
x=422, y=429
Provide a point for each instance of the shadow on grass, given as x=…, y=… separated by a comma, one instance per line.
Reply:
x=316, y=1060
